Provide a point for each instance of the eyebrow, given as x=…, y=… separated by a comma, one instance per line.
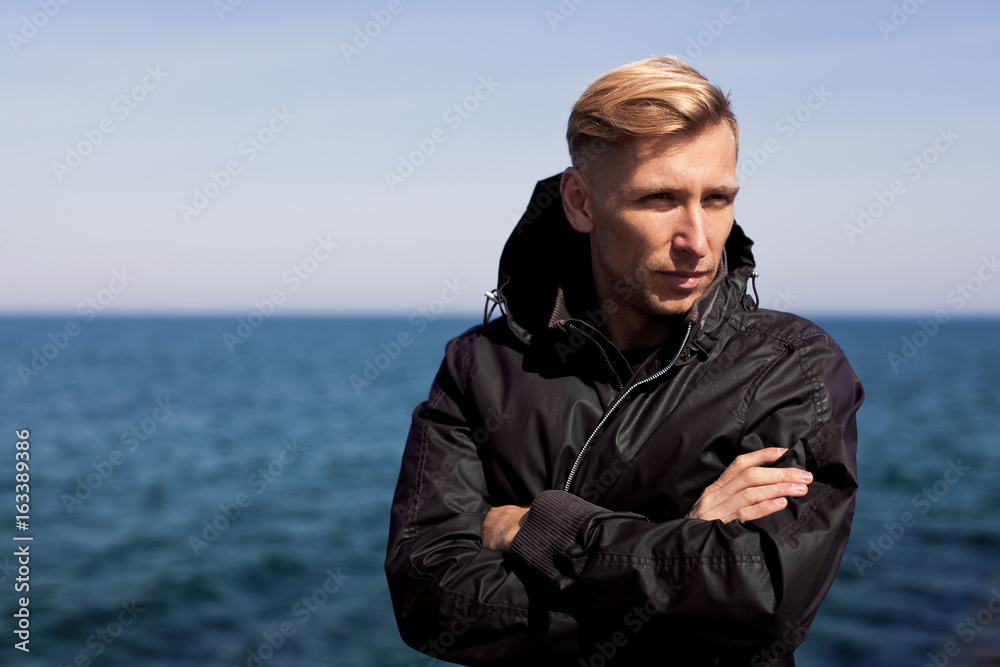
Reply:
x=644, y=191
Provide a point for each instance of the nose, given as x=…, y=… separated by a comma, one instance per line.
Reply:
x=691, y=236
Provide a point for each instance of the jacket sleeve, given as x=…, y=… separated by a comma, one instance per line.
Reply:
x=736, y=585
x=453, y=598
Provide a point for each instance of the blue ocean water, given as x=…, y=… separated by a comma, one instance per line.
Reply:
x=193, y=504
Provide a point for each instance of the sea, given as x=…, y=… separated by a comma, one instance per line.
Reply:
x=201, y=493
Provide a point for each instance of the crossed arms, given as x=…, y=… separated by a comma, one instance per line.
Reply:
x=744, y=492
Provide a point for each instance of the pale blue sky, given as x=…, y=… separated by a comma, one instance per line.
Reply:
x=344, y=122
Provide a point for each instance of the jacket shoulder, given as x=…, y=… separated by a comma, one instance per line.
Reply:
x=786, y=328
x=810, y=354
x=495, y=333
x=464, y=350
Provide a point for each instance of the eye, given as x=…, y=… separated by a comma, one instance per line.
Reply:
x=720, y=199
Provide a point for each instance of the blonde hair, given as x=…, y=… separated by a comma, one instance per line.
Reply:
x=659, y=96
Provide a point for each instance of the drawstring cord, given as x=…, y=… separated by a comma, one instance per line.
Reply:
x=753, y=283
x=494, y=297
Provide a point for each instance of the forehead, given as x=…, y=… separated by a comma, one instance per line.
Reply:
x=706, y=158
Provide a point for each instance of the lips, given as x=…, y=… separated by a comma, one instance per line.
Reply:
x=685, y=280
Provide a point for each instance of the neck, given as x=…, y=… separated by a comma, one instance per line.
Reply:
x=628, y=328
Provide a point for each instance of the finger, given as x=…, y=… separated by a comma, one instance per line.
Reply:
x=750, y=460
x=751, y=486
x=752, y=477
x=761, y=510
x=735, y=506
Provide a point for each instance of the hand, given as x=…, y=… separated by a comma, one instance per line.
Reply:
x=747, y=491
x=501, y=525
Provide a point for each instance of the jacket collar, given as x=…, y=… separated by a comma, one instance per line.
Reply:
x=545, y=280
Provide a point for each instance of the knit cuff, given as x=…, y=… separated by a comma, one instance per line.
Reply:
x=553, y=524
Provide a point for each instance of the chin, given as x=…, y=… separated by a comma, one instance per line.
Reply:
x=670, y=309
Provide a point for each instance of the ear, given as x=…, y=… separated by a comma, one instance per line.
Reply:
x=577, y=200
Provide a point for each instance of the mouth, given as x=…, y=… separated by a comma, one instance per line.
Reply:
x=685, y=280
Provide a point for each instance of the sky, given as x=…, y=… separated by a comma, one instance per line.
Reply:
x=205, y=157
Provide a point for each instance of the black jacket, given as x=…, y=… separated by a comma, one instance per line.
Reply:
x=610, y=567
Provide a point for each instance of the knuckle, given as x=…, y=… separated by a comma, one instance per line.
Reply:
x=792, y=474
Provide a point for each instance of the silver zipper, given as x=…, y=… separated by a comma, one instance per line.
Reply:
x=618, y=401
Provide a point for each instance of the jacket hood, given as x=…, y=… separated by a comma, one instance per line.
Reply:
x=545, y=278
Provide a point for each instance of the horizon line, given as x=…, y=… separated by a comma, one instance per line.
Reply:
x=462, y=315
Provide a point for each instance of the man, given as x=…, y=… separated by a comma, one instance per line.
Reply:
x=636, y=464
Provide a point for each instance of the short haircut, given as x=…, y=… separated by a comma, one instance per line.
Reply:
x=661, y=96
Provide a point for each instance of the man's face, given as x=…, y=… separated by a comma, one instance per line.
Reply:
x=661, y=212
